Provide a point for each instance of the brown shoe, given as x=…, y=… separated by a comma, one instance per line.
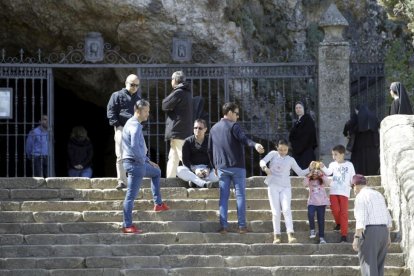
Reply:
x=277, y=239
x=223, y=231
x=243, y=230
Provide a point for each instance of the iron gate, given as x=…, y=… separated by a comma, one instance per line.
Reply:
x=265, y=92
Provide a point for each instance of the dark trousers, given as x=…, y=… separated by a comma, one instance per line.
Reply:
x=39, y=165
x=320, y=214
x=373, y=247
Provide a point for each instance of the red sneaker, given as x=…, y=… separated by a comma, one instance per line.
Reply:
x=161, y=207
x=131, y=230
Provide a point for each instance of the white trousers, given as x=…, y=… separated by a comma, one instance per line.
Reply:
x=174, y=157
x=120, y=172
x=279, y=198
x=188, y=175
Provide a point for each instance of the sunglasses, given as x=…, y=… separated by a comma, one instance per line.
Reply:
x=199, y=128
x=133, y=84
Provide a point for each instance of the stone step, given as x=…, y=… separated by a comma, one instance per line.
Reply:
x=215, y=271
x=143, y=204
x=110, y=183
x=171, y=215
x=255, y=226
x=148, y=249
x=145, y=193
x=171, y=238
x=98, y=260
x=241, y=271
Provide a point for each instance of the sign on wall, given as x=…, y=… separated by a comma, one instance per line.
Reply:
x=6, y=103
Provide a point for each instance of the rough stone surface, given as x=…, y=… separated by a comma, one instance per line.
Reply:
x=333, y=98
x=397, y=171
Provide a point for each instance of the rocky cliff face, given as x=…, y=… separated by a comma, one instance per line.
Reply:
x=221, y=31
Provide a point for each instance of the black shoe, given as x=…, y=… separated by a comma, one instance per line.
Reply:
x=337, y=228
x=208, y=184
x=191, y=184
x=343, y=239
x=120, y=186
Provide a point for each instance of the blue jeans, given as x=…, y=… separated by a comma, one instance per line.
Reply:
x=136, y=172
x=86, y=172
x=238, y=176
x=40, y=165
x=320, y=214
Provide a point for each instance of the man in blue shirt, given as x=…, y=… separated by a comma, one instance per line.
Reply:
x=137, y=165
x=37, y=148
x=226, y=152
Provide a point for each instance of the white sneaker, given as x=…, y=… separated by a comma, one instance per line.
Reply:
x=312, y=234
x=322, y=241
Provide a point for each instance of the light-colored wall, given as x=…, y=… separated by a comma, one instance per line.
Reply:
x=397, y=176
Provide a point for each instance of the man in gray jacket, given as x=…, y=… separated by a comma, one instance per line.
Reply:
x=178, y=126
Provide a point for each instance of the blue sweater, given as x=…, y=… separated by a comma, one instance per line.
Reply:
x=226, y=145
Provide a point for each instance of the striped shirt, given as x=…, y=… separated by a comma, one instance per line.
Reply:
x=371, y=209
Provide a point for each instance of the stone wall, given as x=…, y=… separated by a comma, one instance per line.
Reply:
x=397, y=171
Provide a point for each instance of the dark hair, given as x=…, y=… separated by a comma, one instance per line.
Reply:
x=339, y=148
x=201, y=121
x=283, y=142
x=230, y=106
x=140, y=104
x=79, y=132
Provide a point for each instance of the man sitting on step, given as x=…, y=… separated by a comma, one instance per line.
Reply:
x=197, y=169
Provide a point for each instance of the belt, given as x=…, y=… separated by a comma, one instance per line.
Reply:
x=370, y=225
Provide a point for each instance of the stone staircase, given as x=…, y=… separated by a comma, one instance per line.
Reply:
x=71, y=226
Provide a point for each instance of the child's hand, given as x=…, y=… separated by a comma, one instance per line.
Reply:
x=321, y=164
x=267, y=171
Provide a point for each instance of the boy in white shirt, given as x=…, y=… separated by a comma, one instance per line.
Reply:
x=342, y=172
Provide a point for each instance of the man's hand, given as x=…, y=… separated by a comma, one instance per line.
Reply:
x=259, y=148
x=355, y=244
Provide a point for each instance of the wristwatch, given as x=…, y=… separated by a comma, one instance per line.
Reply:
x=356, y=237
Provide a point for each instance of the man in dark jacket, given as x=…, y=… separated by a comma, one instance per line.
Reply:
x=197, y=169
x=226, y=151
x=179, y=108
x=120, y=109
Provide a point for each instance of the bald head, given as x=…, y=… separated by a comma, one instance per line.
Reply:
x=132, y=83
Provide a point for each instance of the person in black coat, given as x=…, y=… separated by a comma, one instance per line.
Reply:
x=179, y=124
x=365, y=150
x=401, y=103
x=80, y=153
x=302, y=137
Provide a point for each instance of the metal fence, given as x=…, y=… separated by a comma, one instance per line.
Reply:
x=368, y=87
x=265, y=92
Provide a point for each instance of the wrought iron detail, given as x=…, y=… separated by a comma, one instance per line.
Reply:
x=24, y=72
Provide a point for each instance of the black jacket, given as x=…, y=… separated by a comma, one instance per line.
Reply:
x=194, y=153
x=179, y=108
x=121, y=107
x=80, y=152
x=303, y=135
x=226, y=145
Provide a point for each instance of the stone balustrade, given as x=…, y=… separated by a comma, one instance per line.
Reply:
x=397, y=176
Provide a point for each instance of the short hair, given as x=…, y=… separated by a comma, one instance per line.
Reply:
x=339, y=148
x=230, y=106
x=140, y=104
x=201, y=121
x=178, y=76
x=359, y=179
